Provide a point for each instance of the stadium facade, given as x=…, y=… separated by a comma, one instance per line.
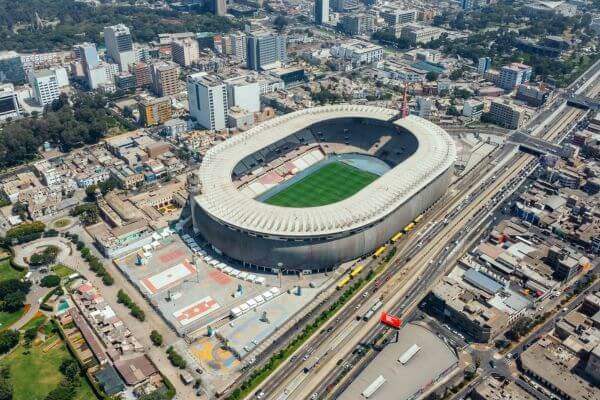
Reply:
x=236, y=173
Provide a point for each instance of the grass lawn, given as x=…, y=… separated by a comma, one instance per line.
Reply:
x=331, y=183
x=35, y=374
x=8, y=272
x=61, y=223
x=62, y=270
x=7, y=319
x=35, y=322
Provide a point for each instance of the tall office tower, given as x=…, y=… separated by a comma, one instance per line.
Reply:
x=321, y=11
x=265, y=50
x=234, y=45
x=87, y=54
x=484, y=64
x=9, y=104
x=344, y=5
x=119, y=46
x=207, y=98
x=218, y=7
x=45, y=86
x=185, y=52
x=11, y=68
x=165, y=78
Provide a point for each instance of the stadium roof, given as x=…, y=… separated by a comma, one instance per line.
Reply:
x=220, y=198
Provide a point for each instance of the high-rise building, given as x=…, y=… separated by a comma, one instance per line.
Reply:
x=416, y=34
x=119, y=46
x=45, y=86
x=155, y=111
x=11, y=68
x=185, y=52
x=218, y=7
x=165, y=78
x=469, y=5
x=243, y=92
x=358, y=24
x=265, y=50
x=395, y=17
x=207, y=98
x=141, y=72
x=343, y=5
x=9, y=104
x=484, y=64
x=513, y=75
x=101, y=75
x=321, y=11
x=506, y=114
x=87, y=54
x=234, y=45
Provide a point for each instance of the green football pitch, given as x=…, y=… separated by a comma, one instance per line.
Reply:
x=331, y=183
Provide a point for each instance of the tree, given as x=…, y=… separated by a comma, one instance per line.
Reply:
x=280, y=22
x=8, y=340
x=13, y=302
x=431, y=76
x=70, y=369
x=50, y=281
x=30, y=335
x=6, y=389
x=156, y=338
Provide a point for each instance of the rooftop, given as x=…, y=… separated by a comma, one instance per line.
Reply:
x=433, y=360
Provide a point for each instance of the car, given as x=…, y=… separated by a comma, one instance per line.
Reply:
x=259, y=394
x=314, y=396
x=199, y=370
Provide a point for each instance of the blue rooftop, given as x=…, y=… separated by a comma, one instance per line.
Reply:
x=482, y=281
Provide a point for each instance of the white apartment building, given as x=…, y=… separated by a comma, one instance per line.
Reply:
x=244, y=92
x=185, y=52
x=359, y=52
x=44, y=84
x=207, y=98
x=119, y=46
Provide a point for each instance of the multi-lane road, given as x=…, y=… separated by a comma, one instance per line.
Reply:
x=317, y=367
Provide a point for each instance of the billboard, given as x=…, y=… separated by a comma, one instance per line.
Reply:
x=390, y=320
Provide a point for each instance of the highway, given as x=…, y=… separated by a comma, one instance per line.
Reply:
x=324, y=352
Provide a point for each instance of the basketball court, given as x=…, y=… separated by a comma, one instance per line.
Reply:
x=196, y=310
x=169, y=277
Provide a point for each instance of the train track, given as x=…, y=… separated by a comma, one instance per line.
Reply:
x=552, y=134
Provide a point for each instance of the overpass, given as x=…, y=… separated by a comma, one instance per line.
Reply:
x=534, y=145
x=583, y=102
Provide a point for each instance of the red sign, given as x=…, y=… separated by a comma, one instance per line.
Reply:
x=390, y=320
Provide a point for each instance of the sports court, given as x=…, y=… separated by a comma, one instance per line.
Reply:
x=329, y=184
x=196, y=310
x=168, y=277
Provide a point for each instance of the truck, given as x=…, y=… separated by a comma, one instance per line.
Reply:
x=186, y=377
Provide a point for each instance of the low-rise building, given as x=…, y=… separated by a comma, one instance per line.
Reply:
x=417, y=34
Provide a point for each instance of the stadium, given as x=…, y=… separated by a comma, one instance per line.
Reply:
x=317, y=187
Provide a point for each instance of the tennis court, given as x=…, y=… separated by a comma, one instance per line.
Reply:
x=331, y=183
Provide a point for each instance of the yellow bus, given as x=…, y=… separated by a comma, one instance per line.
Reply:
x=379, y=251
x=356, y=271
x=397, y=237
x=409, y=227
x=418, y=219
x=343, y=282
